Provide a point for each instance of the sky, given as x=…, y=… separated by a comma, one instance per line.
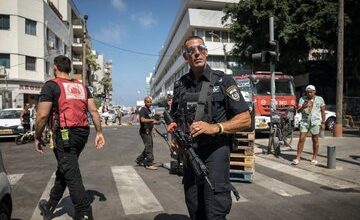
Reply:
x=141, y=26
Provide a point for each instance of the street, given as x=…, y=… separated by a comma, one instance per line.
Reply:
x=121, y=190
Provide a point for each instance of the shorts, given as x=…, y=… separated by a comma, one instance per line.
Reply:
x=306, y=127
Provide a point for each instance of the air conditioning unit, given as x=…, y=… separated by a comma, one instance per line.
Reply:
x=51, y=44
x=3, y=72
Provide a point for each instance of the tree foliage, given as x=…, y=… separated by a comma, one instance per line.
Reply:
x=300, y=25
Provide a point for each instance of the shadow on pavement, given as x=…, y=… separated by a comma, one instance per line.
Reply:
x=165, y=216
x=66, y=206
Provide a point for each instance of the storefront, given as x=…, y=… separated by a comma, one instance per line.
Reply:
x=19, y=93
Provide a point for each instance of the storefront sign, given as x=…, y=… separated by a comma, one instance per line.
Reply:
x=29, y=88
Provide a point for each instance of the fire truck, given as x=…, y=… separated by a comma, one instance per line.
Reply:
x=256, y=90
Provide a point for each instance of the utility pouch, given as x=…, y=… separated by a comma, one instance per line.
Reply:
x=65, y=137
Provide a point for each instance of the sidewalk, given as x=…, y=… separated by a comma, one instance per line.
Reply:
x=347, y=157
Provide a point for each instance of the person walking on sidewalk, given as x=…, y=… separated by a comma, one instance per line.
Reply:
x=312, y=108
x=64, y=103
x=146, y=158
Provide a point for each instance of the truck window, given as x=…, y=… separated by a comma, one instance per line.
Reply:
x=284, y=87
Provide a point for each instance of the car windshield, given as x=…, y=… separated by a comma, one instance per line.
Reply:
x=10, y=114
x=283, y=87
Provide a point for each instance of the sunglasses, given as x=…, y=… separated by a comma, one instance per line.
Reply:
x=190, y=50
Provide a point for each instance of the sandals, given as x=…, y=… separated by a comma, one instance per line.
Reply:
x=314, y=162
x=295, y=162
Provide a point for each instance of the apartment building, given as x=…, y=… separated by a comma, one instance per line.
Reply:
x=104, y=71
x=32, y=33
x=195, y=17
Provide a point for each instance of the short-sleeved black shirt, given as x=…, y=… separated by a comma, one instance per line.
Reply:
x=227, y=100
x=145, y=113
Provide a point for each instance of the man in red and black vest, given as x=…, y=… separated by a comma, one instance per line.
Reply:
x=64, y=104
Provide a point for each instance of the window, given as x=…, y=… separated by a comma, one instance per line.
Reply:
x=5, y=60
x=208, y=36
x=65, y=49
x=30, y=27
x=47, y=67
x=30, y=63
x=216, y=36
x=224, y=36
x=57, y=42
x=4, y=22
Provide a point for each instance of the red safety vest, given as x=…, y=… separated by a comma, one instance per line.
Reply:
x=72, y=103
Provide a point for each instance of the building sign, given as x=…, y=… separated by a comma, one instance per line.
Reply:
x=24, y=88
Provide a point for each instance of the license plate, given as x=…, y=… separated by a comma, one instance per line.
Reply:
x=262, y=124
x=6, y=131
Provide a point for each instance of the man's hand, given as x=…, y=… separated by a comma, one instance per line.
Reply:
x=174, y=144
x=39, y=144
x=201, y=127
x=99, y=140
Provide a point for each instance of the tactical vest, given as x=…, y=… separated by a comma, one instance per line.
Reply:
x=72, y=104
x=197, y=106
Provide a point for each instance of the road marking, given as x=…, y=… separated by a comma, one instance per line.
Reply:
x=277, y=186
x=135, y=195
x=64, y=208
x=14, y=178
x=307, y=175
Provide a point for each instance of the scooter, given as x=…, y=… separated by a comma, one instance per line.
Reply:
x=25, y=137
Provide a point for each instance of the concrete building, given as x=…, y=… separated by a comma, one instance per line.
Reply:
x=195, y=17
x=32, y=33
x=103, y=73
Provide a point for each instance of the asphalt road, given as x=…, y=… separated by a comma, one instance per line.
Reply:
x=121, y=190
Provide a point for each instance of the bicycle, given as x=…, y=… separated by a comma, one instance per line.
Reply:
x=281, y=130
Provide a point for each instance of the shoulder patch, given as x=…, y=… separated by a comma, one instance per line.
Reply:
x=233, y=92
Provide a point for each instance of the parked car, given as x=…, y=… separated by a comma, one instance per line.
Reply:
x=330, y=119
x=10, y=125
x=5, y=193
x=111, y=114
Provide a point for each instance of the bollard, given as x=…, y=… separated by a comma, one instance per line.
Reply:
x=331, y=157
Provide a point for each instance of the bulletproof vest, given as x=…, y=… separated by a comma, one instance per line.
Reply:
x=197, y=106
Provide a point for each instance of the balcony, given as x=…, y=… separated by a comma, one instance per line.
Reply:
x=78, y=27
x=77, y=45
x=77, y=61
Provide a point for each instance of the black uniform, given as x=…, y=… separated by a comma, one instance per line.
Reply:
x=68, y=171
x=147, y=156
x=224, y=102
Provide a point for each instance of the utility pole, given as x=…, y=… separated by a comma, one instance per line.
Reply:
x=84, y=70
x=272, y=66
x=340, y=72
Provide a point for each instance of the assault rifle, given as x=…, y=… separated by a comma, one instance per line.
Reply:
x=186, y=143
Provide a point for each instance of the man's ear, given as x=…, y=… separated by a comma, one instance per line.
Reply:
x=185, y=55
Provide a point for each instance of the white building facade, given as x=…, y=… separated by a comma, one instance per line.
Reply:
x=105, y=70
x=32, y=33
x=195, y=17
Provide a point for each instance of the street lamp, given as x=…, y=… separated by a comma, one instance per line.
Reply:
x=224, y=49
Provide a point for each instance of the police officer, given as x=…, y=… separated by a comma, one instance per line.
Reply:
x=64, y=104
x=222, y=112
x=146, y=158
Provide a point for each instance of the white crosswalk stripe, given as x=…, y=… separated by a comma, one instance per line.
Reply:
x=307, y=175
x=14, y=178
x=65, y=205
x=135, y=195
x=278, y=187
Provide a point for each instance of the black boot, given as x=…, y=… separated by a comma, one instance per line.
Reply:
x=46, y=210
x=84, y=216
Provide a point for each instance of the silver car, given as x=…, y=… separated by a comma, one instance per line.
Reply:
x=5, y=193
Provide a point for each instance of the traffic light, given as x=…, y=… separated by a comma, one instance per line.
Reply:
x=265, y=56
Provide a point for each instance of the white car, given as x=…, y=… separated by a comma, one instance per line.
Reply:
x=330, y=119
x=10, y=122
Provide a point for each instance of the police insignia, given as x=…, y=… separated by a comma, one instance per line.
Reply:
x=233, y=92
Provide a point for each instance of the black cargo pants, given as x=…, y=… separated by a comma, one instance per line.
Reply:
x=202, y=202
x=68, y=171
x=147, y=156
